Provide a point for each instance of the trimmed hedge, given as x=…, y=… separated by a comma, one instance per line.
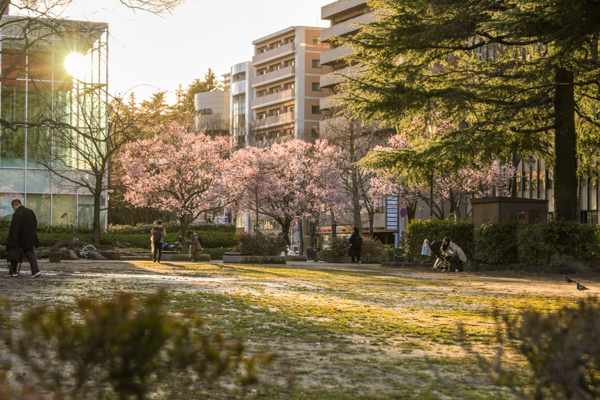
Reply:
x=461, y=233
x=555, y=243
x=209, y=239
x=216, y=254
x=170, y=227
x=496, y=243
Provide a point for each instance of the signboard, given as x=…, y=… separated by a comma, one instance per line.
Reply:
x=403, y=212
x=326, y=230
x=403, y=201
x=293, y=223
x=391, y=213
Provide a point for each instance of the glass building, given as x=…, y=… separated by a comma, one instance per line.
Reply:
x=54, y=94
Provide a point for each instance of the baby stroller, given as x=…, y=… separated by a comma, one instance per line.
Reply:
x=436, y=249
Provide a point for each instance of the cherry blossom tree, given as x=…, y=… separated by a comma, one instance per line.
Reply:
x=444, y=187
x=288, y=181
x=178, y=171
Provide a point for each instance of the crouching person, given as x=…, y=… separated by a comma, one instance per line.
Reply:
x=454, y=253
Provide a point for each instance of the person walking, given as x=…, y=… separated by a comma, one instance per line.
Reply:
x=195, y=245
x=158, y=237
x=23, y=235
x=355, y=246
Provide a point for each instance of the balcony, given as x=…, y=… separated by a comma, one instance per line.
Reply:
x=330, y=80
x=273, y=54
x=341, y=6
x=273, y=98
x=327, y=103
x=282, y=73
x=335, y=54
x=274, y=120
x=346, y=27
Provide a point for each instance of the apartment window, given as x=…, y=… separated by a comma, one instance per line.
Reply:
x=261, y=94
x=316, y=86
x=290, y=86
x=316, y=40
x=316, y=110
x=275, y=90
x=316, y=63
x=292, y=109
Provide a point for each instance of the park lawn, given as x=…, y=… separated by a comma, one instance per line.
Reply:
x=344, y=334
x=338, y=332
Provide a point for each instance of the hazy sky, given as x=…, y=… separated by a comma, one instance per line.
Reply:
x=168, y=50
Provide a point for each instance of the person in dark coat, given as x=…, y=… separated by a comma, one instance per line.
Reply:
x=23, y=234
x=355, y=246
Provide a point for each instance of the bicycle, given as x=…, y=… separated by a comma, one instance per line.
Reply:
x=86, y=249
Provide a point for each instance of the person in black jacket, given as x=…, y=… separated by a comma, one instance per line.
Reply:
x=23, y=234
x=355, y=246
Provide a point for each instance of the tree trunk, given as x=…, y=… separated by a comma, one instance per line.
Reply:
x=357, y=220
x=301, y=236
x=96, y=224
x=333, y=226
x=371, y=212
x=565, y=145
x=184, y=225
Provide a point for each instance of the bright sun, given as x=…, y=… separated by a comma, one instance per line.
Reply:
x=77, y=65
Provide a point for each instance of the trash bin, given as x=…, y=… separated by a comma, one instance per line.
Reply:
x=313, y=253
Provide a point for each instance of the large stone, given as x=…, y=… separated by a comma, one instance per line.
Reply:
x=58, y=246
x=68, y=254
x=45, y=253
x=94, y=255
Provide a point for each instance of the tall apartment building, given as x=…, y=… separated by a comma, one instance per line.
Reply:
x=286, y=84
x=343, y=15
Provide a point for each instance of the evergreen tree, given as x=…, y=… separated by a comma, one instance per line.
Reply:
x=514, y=76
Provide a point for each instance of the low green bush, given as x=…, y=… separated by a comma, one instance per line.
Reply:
x=496, y=243
x=461, y=233
x=259, y=244
x=555, y=243
x=561, y=350
x=216, y=254
x=372, y=251
x=338, y=248
x=125, y=347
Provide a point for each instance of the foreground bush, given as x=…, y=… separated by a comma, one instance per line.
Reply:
x=259, y=244
x=496, y=243
x=126, y=346
x=561, y=350
x=555, y=243
x=461, y=233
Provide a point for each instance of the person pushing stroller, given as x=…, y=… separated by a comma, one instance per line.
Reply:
x=450, y=252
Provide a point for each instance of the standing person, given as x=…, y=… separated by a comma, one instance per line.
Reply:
x=23, y=234
x=452, y=252
x=158, y=237
x=195, y=244
x=355, y=246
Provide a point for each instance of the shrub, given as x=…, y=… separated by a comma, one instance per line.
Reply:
x=338, y=248
x=496, y=242
x=461, y=233
x=216, y=254
x=125, y=345
x=260, y=244
x=555, y=243
x=373, y=251
x=170, y=227
x=561, y=349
